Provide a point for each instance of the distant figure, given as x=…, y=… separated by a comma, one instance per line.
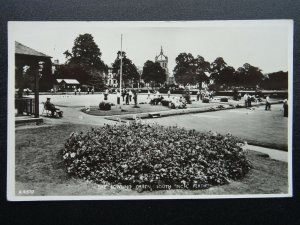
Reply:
x=135, y=97
x=246, y=100
x=75, y=91
x=79, y=90
x=127, y=98
x=53, y=109
x=249, y=101
x=198, y=95
x=268, y=104
x=130, y=95
x=169, y=93
x=92, y=91
x=148, y=94
x=285, y=108
x=88, y=91
x=123, y=94
x=118, y=97
x=106, y=94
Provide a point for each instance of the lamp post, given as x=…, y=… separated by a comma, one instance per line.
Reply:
x=36, y=93
x=121, y=70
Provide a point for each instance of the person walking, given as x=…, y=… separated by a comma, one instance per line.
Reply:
x=118, y=97
x=127, y=98
x=285, y=108
x=123, y=94
x=268, y=104
x=246, y=100
x=198, y=95
x=169, y=93
x=88, y=91
x=130, y=96
x=106, y=95
x=249, y=101
x=79, y=90
x=75, y=91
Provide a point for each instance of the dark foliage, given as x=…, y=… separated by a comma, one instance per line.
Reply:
x=135, y=154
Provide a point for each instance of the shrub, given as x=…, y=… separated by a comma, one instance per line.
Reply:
x=165, y=102
x=224, y=100
x=154, y=155
x=205, y=100
x=105, y=106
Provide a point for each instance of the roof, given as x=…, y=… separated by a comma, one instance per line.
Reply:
x=68, y=81
x=24, y=50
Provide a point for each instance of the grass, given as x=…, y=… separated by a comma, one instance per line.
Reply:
x=258, y=127
x=39, y=167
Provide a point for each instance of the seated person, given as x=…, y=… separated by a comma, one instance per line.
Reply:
x=53, y=109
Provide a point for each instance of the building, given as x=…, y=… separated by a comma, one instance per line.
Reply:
x=28, y=58
x=163, y=61
x=66, y=85
x=111, y=78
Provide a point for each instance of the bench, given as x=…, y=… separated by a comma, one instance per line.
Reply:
x=154, y=114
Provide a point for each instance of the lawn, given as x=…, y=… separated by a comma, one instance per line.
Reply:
x=39, y=167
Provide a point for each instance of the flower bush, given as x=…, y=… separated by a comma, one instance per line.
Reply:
x=105, y=106
x=147, y=154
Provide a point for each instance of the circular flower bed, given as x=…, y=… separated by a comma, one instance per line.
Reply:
x=155, y=156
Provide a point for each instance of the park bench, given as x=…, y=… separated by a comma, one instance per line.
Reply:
x=154, y=114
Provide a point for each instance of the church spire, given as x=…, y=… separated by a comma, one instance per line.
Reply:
x=161, y=50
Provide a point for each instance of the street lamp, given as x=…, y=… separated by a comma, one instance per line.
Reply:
x=121, y=70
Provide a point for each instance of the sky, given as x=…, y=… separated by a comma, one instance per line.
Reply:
x=266, y=44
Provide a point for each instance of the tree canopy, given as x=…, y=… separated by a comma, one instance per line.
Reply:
x=84, y=62
x=153, y=73
x=130, y=74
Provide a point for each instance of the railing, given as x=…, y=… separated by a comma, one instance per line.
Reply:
x=25, y=106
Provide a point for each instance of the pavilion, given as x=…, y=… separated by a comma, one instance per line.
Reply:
x=28, y=58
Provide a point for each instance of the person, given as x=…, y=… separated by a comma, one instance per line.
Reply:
x=106, y=94
x=127, y=98
x=118, y=97
x=135, y=97
x=148, y=94
x=88, y=90
x=53, y=109
x=246, y=100
x=249, y=100
x=92, y=91
x=285, y=108
x=75, y=91
x=268, y=104
x=130, y=96
x=79, y=90
x=123, y=94
x=198, y=95
x=169, y=93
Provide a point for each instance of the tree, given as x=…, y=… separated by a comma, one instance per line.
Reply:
x=153, y=73
x=86, y=53
x=84, y=63
x=185, y=69
x=216, y=67
x=47, y=79
x=277, y=80
x=202, y=68
x=130, y=74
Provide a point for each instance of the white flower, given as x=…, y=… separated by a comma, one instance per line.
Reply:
x=73, y=154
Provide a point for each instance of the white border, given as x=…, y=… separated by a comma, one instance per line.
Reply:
x=11, y=115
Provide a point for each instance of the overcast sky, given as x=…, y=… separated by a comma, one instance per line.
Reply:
x=264, y=44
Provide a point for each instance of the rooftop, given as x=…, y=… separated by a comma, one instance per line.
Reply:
x=24, y=50
x=68, y=81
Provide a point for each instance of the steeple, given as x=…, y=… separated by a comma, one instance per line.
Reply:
x=161, y=50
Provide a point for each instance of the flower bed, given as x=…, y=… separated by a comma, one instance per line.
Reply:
x=155, y=157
